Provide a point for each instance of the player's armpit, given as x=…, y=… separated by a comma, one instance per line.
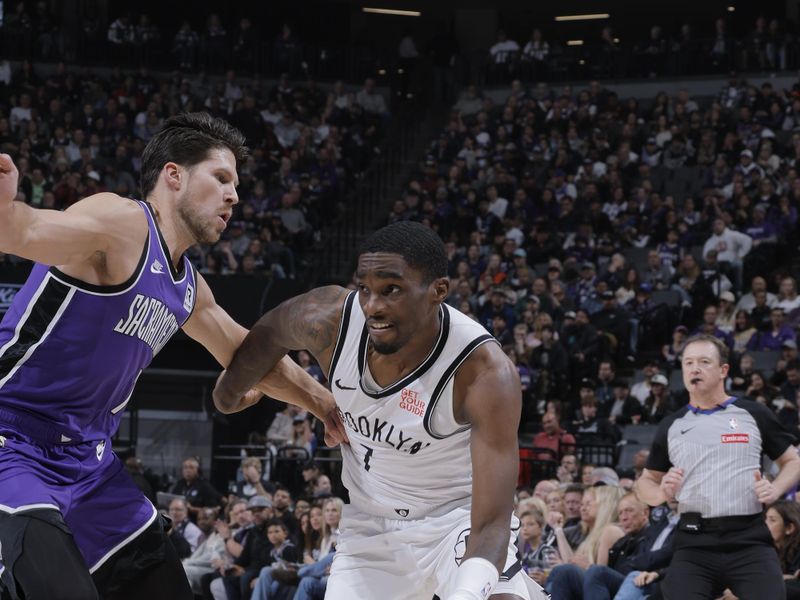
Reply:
x=489, y=386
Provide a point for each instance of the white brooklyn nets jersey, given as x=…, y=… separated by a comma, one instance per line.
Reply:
x=408, y=456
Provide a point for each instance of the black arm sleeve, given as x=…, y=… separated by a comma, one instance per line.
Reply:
x=659, y=450
x=774, y=438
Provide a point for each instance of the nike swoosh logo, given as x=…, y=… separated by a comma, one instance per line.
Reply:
x=339, y=385
x=686, y=430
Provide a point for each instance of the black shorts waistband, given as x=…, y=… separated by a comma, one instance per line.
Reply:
x=716, y=524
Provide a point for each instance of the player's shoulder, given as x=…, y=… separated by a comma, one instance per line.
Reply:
x=472, y=349
x=485, y=360
x=329, y=294
x=107, y=204
x=758, y=411
x=111, y=216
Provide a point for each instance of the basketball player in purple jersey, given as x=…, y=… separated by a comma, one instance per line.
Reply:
x=110, y=286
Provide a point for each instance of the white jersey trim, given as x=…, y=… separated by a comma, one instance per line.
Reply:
x=53, y=321
x=341, y=336
x=449, y=373
x=119, y=546
x=26, y=507
x=424, y=366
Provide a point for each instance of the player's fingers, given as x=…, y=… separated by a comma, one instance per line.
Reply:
x=757, y=474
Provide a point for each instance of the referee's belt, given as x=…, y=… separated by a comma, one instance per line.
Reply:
x=694, y=523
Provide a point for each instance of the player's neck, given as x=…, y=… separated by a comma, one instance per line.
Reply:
x=176, y=236
x=709, y=400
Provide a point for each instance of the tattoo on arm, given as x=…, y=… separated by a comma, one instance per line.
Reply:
x=312, y=320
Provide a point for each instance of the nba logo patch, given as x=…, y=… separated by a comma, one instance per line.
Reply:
x=188, y=300
x=734, y=424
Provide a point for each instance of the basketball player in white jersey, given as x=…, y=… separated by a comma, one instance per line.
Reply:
x=431, y=405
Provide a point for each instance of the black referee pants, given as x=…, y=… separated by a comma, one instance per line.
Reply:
x=698, y=573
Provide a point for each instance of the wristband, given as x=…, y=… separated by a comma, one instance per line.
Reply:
x=475, y=580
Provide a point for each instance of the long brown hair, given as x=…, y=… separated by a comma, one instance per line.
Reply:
x=790, y=513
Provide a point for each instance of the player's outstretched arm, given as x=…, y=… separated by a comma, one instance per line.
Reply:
x=309, y=321
x=492, y=405
x=282, y=378
x=59, y=238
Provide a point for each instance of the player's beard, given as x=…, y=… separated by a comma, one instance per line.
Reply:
x=201, y=232
x=385, y=348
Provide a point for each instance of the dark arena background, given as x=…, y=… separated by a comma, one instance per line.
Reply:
x=608, y=178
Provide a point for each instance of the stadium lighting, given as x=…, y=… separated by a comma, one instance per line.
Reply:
x=575, y=43
x=588, y=17
x=731, y=8
x=392, y=11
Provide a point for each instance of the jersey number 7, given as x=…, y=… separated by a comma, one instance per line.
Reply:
x=367, y=456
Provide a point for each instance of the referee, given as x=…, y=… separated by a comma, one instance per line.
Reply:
x=707, y=455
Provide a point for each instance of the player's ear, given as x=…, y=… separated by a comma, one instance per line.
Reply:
x=173, y=175
x=441, y=288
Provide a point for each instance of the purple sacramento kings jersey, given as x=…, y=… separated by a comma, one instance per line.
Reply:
x=71, y=352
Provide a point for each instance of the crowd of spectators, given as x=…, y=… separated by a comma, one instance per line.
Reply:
x=262, y=539
x=73, y=135
x=769, y=45
x=134, y=38
x=591, y=234
x=586, y=535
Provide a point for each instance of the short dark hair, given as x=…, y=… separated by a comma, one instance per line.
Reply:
x=574, y=488
x=279, y=487
x=276, y=522
x=420, y=247
x=722, y=349
x=186, y=139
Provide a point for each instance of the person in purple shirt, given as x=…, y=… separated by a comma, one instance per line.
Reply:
x=774, y=338
x=709, y=326
x=761, y=230
x=110, y=286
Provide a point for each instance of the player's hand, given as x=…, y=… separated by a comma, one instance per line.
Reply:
x=765, y=492
x=249, y=399
x=671, y=482
x=9, y=179
x=645, y=578
x=335, y=433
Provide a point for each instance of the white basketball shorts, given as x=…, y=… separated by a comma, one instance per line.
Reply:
x=394, y=559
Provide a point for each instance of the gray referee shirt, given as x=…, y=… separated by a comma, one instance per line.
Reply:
x=718, y=449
